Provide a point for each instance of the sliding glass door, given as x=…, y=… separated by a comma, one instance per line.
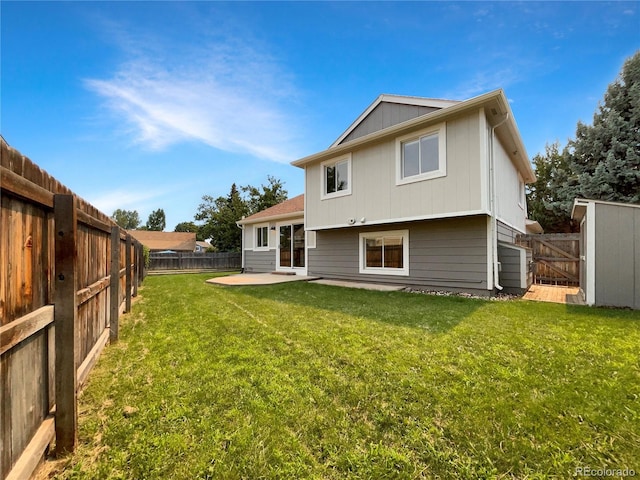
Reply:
x=291, y=246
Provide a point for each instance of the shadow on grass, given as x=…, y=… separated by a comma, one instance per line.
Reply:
x=438, y=314
x=610, y=313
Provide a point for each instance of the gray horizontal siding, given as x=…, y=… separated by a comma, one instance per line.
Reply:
x=259, y=262
x=506, y=233
x=509, y=259
x=443, y=254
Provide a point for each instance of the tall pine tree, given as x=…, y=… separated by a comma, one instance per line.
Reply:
x=605, y=156
x=602, y=163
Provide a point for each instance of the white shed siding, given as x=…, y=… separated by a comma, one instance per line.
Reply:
x=376, y=197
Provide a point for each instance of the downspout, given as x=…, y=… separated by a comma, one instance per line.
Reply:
x=492, y=205
x=241, y=227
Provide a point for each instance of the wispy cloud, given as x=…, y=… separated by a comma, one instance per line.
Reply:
x=127, y=199
x=226, y=94
x=485, y=81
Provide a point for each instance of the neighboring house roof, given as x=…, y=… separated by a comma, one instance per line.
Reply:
x=178, y=241
x=204, y=245
x=289, y=208
x=498, y=112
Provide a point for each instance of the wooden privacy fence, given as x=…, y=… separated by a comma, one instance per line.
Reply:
x=66, y=273
x=195, y=261
x=556, y=257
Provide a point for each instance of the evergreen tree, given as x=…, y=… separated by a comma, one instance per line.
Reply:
x=605, y=156
x=157, y=221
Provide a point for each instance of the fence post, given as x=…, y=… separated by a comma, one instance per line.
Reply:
x=136, y=266
x=127, y=256
x=65, y=315
x=114, y=292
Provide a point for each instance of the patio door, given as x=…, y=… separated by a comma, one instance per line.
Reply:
x=291, y=252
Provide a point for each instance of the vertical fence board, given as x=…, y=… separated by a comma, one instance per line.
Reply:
x=129, y=273
x=39, y=267
x=114, y=284
x=65, y=322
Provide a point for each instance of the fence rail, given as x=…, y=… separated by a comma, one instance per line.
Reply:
x=556, y=257
x=66, y=273
x=195, y=261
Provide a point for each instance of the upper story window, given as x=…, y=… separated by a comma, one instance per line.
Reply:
x=262, y=236
x=421, y=155
x=521, y=193
x=336, y=177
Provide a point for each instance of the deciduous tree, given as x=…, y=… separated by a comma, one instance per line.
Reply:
x=127, y=219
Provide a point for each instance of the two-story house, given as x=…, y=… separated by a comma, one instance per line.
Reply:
x=417, y=191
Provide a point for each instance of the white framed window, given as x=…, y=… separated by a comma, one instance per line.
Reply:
x=421, y=155
x=261, y=237
x=385, y=253
x=521, y=192
x=336, y=177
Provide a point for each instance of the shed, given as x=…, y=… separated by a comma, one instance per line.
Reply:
x=609, y=252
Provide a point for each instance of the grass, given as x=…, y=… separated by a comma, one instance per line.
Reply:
x=310, y=381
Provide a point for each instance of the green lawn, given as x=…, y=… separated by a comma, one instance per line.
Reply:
x=308, y=381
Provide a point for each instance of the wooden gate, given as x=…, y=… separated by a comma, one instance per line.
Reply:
x=556, y=257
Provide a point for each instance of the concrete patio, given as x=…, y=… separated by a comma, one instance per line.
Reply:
x=259, y=279
x=274, y=278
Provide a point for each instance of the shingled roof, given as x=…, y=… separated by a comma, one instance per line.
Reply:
x=158, y=241
x=287, y=208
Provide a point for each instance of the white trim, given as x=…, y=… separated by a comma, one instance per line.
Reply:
x=590, y=279
x=257, y=226
x=489, y=253
x=437, y=216
x=310, y=238
x=439, y=129
x=381, y=270
x=323, y=177
x=297, y=270
x=272, y=218
x=484, y=162
x=498, y=96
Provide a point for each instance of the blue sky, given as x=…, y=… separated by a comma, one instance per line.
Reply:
x=146, y=105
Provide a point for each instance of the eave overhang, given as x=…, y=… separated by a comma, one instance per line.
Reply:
x=496, y=107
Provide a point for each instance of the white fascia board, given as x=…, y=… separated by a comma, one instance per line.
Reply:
x=272, y=218
x=591, y=254
x=579, y=208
